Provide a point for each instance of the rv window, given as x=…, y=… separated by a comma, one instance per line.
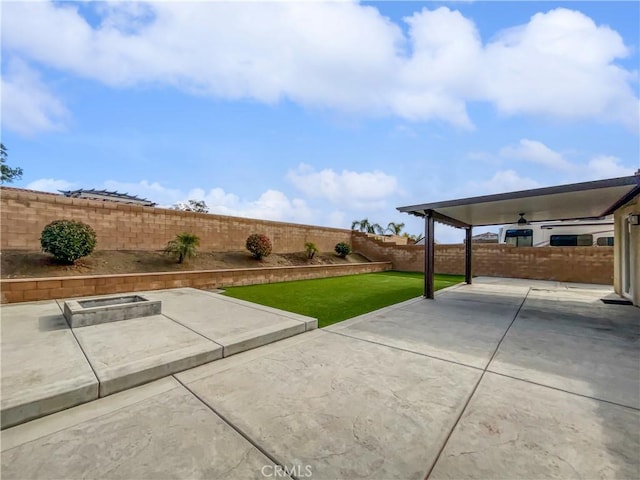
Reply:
x=519, y=237
x=605, y=242
x=585, y=240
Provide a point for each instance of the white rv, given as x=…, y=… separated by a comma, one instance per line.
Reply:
x=562, y=233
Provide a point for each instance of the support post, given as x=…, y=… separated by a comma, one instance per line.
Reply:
x=468, y=254
x=429, y=255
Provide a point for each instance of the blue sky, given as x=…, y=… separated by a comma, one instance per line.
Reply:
x=319, y=113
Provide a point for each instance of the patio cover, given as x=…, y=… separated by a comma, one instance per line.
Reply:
x=563, y=202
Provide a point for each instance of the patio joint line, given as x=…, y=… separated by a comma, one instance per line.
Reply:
x=405, y=350
x=475, y=388
x=565, y=391
x=189, y=328
x=84, y=354
x=237, y=429
x=495, y=352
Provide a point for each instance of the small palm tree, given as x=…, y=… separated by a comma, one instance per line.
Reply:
x=365, y=226
x=375, y=228
x=310, y=249
x=362, y=225
x=183, y=246
x=395, y=228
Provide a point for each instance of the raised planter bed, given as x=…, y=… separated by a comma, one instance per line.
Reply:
x=32, y=289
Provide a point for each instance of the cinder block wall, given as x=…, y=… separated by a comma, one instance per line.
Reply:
x=565, y=264
x=409, y=258
x=23, y=215
x=31, y=289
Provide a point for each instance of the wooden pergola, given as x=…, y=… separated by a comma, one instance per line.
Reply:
x=577, y=201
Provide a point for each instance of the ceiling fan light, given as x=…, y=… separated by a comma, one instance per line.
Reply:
x=522, y=220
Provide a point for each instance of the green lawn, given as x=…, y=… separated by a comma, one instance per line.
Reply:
x=332, y=300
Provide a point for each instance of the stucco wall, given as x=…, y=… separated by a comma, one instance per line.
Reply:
x=634, y=250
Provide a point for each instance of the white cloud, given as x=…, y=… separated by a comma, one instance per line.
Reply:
x=606, y=166
x=561, y=64
x=340, y=55
x=150, y=190
x=536, y=152
x=435, y=80
x=501, y=182
x=49, y=185
x=584, y=169
x=271, y=205
x=337, y=219
x=265, y=51
x=356, y=189
x=28, y=106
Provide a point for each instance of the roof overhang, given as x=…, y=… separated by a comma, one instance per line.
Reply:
x=564, y=202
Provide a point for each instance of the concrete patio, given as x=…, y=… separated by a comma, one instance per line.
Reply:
x=499, y=379
x=47, y=366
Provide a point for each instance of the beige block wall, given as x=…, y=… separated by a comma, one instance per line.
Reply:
x=631, y=208
x=24, y=214
x=566, y=264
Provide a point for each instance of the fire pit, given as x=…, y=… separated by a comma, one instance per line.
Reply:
x=83, y=313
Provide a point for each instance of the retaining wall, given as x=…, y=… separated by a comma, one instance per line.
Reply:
x=28, y=289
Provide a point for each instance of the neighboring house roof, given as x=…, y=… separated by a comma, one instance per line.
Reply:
x=485, y=237
x=421, y=242
x=108, y=196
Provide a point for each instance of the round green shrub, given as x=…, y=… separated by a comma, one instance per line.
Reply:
x=259, y=245
x=68, y=240
x=343, y=249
